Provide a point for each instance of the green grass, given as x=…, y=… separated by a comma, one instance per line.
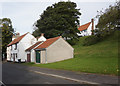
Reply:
x=101, y=58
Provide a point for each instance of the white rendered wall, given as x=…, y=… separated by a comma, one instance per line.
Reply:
x=41, y=38
x=33, y=56
x=8, y=53
x=26, y=42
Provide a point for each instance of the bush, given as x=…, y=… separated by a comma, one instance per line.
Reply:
x=90, y=40
x=72, y=42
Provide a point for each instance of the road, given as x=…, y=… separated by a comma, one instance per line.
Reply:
x=13, y=74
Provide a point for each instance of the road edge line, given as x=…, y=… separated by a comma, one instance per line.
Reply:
x=58, y=76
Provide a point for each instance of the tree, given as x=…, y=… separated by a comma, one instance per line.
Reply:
x=108, y=20
x=59, y=19
x=7, y=32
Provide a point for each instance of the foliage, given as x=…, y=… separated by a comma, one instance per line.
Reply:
x=108, y=20
x=59, y=19
x=106, y=25
x=90, y=40
x=7, y=32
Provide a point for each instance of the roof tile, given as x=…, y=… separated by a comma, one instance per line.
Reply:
x=34, y=45
x=16, y=40
x=47, y=43
x=84, y=27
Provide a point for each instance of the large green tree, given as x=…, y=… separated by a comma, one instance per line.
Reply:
x=61, y=18
x=7, y=32
x=108, y=20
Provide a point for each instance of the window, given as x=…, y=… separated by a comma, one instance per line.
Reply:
x=15, y=46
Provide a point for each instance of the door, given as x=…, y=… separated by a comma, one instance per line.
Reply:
x=13, y=57
x=28, y=58
x=37, y=56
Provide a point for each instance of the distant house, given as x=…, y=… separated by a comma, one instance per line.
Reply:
x=51, y=50
x=16, y=49
x=86, y=29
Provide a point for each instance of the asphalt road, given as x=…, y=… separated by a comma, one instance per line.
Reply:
x=17, y=75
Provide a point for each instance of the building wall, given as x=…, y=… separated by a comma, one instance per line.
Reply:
x=33, y=55
x=43, y=56
x=42, y=38
x=59, y=50
x=8, y=53
x=26, y=42
x=13, y=52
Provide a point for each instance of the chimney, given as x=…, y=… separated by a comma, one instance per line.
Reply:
x=92, y=20
x=42, y=34
x=17, y=35
x=13, y=37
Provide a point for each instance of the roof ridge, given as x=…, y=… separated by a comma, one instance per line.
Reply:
x=17, y=39
x=54, y=37
x=48, y=42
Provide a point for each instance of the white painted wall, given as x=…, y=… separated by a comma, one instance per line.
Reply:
x=41, y=38
x=26, y=42
x=33, y=55
x=8, y=53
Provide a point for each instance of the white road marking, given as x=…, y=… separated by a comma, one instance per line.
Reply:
x=58, y=76
x=48, y=83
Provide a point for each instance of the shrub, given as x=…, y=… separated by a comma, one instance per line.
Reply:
x=90, y=40
x=72, y=42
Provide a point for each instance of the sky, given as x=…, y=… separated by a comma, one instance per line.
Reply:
x=23, y=13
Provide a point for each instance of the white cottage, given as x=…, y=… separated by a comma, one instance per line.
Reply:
x=53, y=50
x=16, y=49
x=86, y=29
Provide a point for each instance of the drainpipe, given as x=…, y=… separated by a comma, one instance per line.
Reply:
x=92, y=20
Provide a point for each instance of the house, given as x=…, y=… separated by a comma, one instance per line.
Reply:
x=16, y=49
x=51, y=50
x=86, y=29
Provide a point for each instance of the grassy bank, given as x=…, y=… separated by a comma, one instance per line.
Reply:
x=99, y=58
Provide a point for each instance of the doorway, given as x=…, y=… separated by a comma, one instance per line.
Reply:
x=28, y=58
x=37, y=56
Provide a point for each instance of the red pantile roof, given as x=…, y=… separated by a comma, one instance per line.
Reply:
x=47, y=43
x=84, y=27
x=34, y=45
x=16, y=40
